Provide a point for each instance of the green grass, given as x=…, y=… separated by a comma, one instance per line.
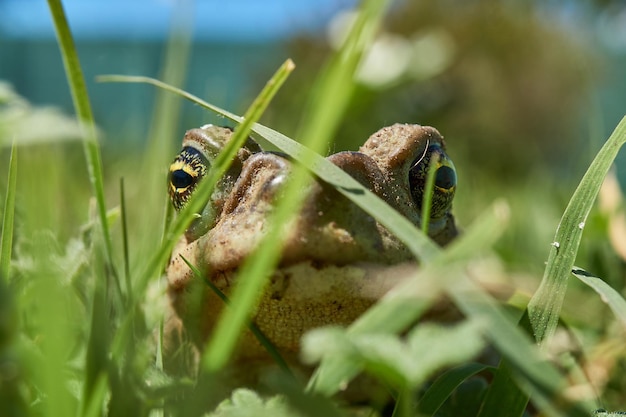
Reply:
x=75, y=341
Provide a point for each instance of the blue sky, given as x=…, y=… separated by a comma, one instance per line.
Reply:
x=219, y=20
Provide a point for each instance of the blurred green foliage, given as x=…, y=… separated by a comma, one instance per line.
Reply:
x=503, y=82
x=508, y=87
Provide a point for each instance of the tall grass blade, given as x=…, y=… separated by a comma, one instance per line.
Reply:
x=260, y=336
x=332, y=95
x=420, y=245
x=333, y=88
x=127, y=280
x=160, y=148
x=99, y=338
x=206, y=186
x=219, y=167
x=545, y=305
x=82, y=106
x=445, y=385
x=607, y=294
x=6, y=239
x=429, y=187
x=93, y=408
x=168, y=107
x=527, y=369
x=404, y=304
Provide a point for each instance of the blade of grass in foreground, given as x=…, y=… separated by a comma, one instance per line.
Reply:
x=205, y=188
x=418, y=243
x=445, y=385
x=219, y=167
x=80, y=98
x=612, y=298
x=260, y=336
x=404, y=304
x=545, y=305
x=6, y=239
x=331, y=96
x=429, y=189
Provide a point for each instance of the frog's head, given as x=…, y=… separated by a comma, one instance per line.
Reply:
x=337, y=260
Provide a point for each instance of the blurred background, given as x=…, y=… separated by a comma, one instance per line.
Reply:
x=527, y=79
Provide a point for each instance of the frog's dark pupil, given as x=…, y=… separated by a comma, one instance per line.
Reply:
x=181, y=179
x=445, y=178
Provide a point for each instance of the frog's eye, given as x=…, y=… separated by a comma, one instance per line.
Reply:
x=186, y=171
x=444, y=184
x=445, y=177
x=181, y=179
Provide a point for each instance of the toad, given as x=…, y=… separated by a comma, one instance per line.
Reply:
x=337, y=260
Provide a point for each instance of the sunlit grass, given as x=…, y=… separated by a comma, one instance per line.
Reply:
x=81, y=348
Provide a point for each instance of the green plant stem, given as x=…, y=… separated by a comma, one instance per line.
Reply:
x=545, y=305
x=418, y=243
x=428, y=192
x=260, y=336
x=204, y=190
x=219, y=167
x=6, y=239
x=333, y=93
x=80, y=98
x=129, y=289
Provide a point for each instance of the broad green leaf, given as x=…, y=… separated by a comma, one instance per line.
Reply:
x=247, y=403
x=398, y=361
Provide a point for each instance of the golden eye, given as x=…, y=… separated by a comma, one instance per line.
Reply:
x=188, y=168
x=445, y=181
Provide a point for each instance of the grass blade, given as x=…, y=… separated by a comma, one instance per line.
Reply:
x=260, y=336
x=205, y=188
x=429, y=188
x=82, y=106
x=545, y=305
x=404, y=304
x=94, y=406
x=333, y=93
x=420, y=245
x=445, y=385
x=526, y=368
x=6, y=239
x=612, y=298
x=127, y=280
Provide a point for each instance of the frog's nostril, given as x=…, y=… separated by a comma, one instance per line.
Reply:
x=445, y=177
x=181, y=179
